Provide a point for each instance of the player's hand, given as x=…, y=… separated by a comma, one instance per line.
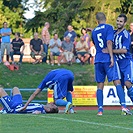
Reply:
x=112, y=62
x=105, y=50
x=36, y=112
x=22, y=109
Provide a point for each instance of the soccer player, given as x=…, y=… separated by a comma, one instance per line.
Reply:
x=61, y=82
x=13, y=104
x=122, y=42
x=102, y=37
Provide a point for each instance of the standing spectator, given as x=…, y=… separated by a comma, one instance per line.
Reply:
x=73, y=36
x=45, y=40
x=55, y=46
x=36, y=46
x=5, y=33
x=67, y=48
x=82, y=50
x=131, y=34
x=103, y=36
x=87, y=39
x=16, y=45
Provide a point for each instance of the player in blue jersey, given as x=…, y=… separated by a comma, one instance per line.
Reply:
x=13, y=104
x=105, y=65
x=122, y=42
x=61, y=82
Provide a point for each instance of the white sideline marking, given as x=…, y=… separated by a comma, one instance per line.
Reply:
x=85, y=122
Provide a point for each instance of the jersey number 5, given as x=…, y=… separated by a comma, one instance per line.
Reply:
x=101, y=44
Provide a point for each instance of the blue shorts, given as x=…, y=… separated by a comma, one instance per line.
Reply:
x=126, y=69
x=102, y=70
x=55, y=54
x=64, y=84
x=10, y=103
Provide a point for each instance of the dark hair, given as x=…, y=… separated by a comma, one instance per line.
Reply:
x=83, y=29
x=18, y=34
x=4, y=23
x=100, y=16
x=123, y=16
x=53, y=110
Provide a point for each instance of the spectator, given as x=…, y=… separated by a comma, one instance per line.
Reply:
x=73, y=36
x=67, y=48
x=36, y=46
x=82, y=50
x=45, y=40
x=131, y=34
x=5, y=33
x=55, y=45
x=87, y=39
x=16, y=45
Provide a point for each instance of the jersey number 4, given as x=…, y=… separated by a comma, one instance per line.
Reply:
x=101, y=44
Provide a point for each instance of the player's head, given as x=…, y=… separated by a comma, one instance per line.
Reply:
x=121, y=21
x=100, y=17
x=51, y=108
x=5, y=24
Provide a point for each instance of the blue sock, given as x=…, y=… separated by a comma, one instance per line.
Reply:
x=121, y=95
x=130, y=93
x=69, y=97
x=61, y=102
x=99, y=95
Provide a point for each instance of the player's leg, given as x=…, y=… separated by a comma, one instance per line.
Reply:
x=60, y=92
x=2, y=92
x=6, y=101
x=127, y=70
x=17, y=97
x=113, y=73
x=100, y=78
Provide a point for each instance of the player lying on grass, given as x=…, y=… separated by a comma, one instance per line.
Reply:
x=61, y=82
x=13, y=104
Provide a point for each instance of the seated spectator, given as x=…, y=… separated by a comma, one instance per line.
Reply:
x=55, y=45
x=16, y=45
x=36, y=46
x=82, y=50
x=67, y=48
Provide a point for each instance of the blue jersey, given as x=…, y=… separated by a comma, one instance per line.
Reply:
x=53, y=77
x=71, y=34
x=5, y=39
x=100, y=35
x=31, y=108
x=122, y=40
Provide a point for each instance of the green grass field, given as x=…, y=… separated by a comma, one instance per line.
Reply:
x=81, y=122
x=29, y=76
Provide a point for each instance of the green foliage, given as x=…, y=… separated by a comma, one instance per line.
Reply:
x=79, y=13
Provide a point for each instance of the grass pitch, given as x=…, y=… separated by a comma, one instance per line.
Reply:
x=81, y=122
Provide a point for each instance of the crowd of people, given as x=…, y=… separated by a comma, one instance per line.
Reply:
x=113, y=59
x=65, y=50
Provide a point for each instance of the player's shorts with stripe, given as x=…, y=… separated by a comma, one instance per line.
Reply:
x=126, y=69
x=11, y=102
x=102, y=70
x=64, y=84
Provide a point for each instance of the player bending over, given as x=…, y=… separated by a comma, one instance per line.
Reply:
x=61, y=82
